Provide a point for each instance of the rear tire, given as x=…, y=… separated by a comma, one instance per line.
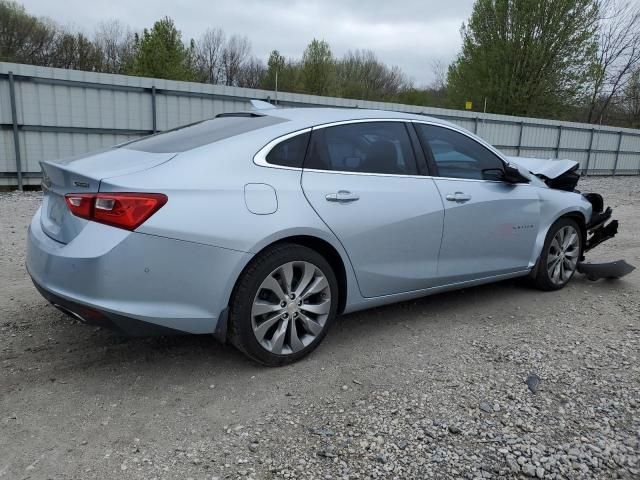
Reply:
x=560, y=255
x=283, y=304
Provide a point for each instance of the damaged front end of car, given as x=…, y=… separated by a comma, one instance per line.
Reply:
x=564, y=175
x=600, y=229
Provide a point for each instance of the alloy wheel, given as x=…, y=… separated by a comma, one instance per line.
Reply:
x=563, y=254
x=291, y=307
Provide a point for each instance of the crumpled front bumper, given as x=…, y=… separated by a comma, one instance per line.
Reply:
x=600, y=228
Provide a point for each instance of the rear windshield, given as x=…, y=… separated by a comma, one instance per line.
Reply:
x=202, y=133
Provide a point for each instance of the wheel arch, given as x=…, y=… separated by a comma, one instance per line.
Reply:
x=330, y=253
x=580, y=219
x=336, y=257
x=576, y=215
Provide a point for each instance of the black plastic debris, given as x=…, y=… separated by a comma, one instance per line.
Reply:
x=601, y=234
x=596, y=271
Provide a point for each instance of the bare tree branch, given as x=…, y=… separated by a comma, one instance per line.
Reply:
x=209, y=50
x=116, y=41
x=618, y=54
x=235, y=53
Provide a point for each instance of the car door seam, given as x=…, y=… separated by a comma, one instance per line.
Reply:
x=444, y=216
x=332, y=232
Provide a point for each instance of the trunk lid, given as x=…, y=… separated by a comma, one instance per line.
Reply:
x=83, y=175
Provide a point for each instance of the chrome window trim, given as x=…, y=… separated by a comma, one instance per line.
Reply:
x=260, y=158
x=360, y=120
x=479, y=180
x=369, y=174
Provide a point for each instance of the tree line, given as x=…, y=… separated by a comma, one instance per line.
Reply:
x=214, y=57
x=567, y=59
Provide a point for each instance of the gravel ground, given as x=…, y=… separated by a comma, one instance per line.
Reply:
x=498, y=381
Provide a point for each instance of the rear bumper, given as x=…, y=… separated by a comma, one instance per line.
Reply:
x=136, y=283
x=93, y=316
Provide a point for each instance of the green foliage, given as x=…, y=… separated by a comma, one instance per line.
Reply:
x=526, y=57
x=361, y=75
x=160, y=53
x=23, y=37
x=427, y=97
x=275, y=67
x=317, y=73
x=76, y=52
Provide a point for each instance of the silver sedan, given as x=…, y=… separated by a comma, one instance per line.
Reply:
x=261, y=227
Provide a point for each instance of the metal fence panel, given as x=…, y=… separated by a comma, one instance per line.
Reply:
x=545, y=136
x=628, y=164
x=59, y=113
x=606, y=141
x=536, y=152
x=7, y=153
x=576, y=139
x=501, y=134
x=630, y=143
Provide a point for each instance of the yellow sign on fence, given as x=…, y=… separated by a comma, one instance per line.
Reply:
x=468, y=105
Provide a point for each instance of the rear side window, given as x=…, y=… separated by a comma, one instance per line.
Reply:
x=290, y=152
x=367, y=147
x=202, y=133
x=458, y=156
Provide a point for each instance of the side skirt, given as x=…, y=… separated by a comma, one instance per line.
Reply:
x=401, y=297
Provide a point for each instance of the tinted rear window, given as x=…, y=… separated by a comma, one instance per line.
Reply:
x=290, y=152
x=202, y=133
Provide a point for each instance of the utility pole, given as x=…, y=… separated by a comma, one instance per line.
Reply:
x=276, y=87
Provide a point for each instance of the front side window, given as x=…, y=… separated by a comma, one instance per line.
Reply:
x=366, y=147
x=458, y=156
x=289, y=152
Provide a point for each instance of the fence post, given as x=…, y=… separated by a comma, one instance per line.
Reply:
x=586, y=171
x=153, y=108
x=14, y=119
x=558, y=142
x=520, y=137
x=475, y=125
x=615, y=163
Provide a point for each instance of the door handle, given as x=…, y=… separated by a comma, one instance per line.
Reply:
x=459, y=197
x=343, y=196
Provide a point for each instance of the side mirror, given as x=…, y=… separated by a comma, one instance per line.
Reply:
x=513, y=175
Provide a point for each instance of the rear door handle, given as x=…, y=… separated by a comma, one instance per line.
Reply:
x=459, y=197
x=343, y=196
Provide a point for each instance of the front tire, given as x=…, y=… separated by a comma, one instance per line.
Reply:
x=283, y=304
x=560, y=255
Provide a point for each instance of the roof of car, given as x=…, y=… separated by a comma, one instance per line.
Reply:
x=318, y=116
x=263, y=125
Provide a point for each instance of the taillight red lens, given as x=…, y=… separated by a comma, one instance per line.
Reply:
x=80, y=204
x=122, y=210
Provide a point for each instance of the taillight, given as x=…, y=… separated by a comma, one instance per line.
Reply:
x=122, y=210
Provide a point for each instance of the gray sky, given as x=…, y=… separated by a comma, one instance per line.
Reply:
x=408, y=33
